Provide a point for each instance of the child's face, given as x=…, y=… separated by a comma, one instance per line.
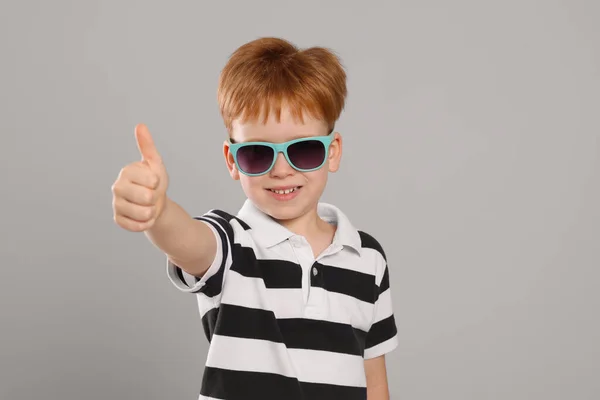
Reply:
x=307, y=186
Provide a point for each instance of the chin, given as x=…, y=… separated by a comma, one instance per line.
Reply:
x=283, y=213
x=280, y=210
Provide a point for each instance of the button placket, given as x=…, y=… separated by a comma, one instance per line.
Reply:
x=304, y=258
x=296, y=242
x=317, y=303
x=316, y=272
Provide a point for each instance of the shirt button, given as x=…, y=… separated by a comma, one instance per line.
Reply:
x=315, y=271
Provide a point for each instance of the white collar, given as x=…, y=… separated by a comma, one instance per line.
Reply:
x=269, y=232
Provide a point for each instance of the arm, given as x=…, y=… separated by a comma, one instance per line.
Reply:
x=140, y=203
x=187, y=242
x=376, y=373
x=382, y=337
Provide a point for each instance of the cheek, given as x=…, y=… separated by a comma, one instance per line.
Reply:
x=251, y=183
x=317, y=179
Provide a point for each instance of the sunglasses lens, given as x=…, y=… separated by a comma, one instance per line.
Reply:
x=254, y=159
x=308, y=154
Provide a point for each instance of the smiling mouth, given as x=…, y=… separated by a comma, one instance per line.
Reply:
x=285, y=191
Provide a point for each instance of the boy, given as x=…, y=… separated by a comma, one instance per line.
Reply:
x=294, y=301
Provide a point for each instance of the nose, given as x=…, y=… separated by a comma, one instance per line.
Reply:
x=282, y=168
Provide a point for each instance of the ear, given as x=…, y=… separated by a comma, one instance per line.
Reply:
x=335, y=152
x=233, y=171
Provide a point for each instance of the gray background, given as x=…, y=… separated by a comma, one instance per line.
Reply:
x=471, y=152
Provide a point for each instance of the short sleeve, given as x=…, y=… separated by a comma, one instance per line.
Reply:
x=382, y=336
x=211, y=283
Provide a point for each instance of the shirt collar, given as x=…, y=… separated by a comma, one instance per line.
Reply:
x=269, y=232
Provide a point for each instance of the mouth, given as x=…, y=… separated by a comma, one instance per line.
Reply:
x=285, y=190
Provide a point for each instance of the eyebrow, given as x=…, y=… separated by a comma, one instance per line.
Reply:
x=233, y=141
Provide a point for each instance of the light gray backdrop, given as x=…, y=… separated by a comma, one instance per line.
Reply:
x=471, y=152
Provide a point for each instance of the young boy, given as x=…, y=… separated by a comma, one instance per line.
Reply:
x=294, y=301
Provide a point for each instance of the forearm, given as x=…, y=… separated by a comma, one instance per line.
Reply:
x=187, y=242
x=378, y=393
x=376, y=374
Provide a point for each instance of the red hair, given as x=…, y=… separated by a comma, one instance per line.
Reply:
x=264, y=74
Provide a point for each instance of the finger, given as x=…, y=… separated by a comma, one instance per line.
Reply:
x=146, y=145
x=141, y=174
x=135, y=193
x=132, y=225
x=133, y=211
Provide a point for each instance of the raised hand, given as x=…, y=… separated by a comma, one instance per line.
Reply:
x=140, y=191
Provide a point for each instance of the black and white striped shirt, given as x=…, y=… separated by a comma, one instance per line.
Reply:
x=282, y=324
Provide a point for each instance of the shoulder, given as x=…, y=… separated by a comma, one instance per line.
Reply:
x=225, y=225
x=225, y=216
x=372, y=252
x=367, y=241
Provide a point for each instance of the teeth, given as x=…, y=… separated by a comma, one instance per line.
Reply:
x=287, y=191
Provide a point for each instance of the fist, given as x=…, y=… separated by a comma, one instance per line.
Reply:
x=140, y=191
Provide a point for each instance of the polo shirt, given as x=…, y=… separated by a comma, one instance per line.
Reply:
x=282, y=324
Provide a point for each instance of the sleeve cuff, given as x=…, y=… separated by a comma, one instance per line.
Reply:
x=382, y=348
x=182, y=279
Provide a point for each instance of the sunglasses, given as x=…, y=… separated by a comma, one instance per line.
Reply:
x=258, y=158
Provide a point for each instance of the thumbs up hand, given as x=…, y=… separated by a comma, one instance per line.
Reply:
x=140, y=191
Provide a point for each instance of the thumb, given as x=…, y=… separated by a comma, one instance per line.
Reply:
x=146, y=145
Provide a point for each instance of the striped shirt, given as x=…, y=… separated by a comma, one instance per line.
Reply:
x=283, y=324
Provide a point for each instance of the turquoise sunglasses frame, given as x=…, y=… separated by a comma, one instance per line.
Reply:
x=281, y=148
